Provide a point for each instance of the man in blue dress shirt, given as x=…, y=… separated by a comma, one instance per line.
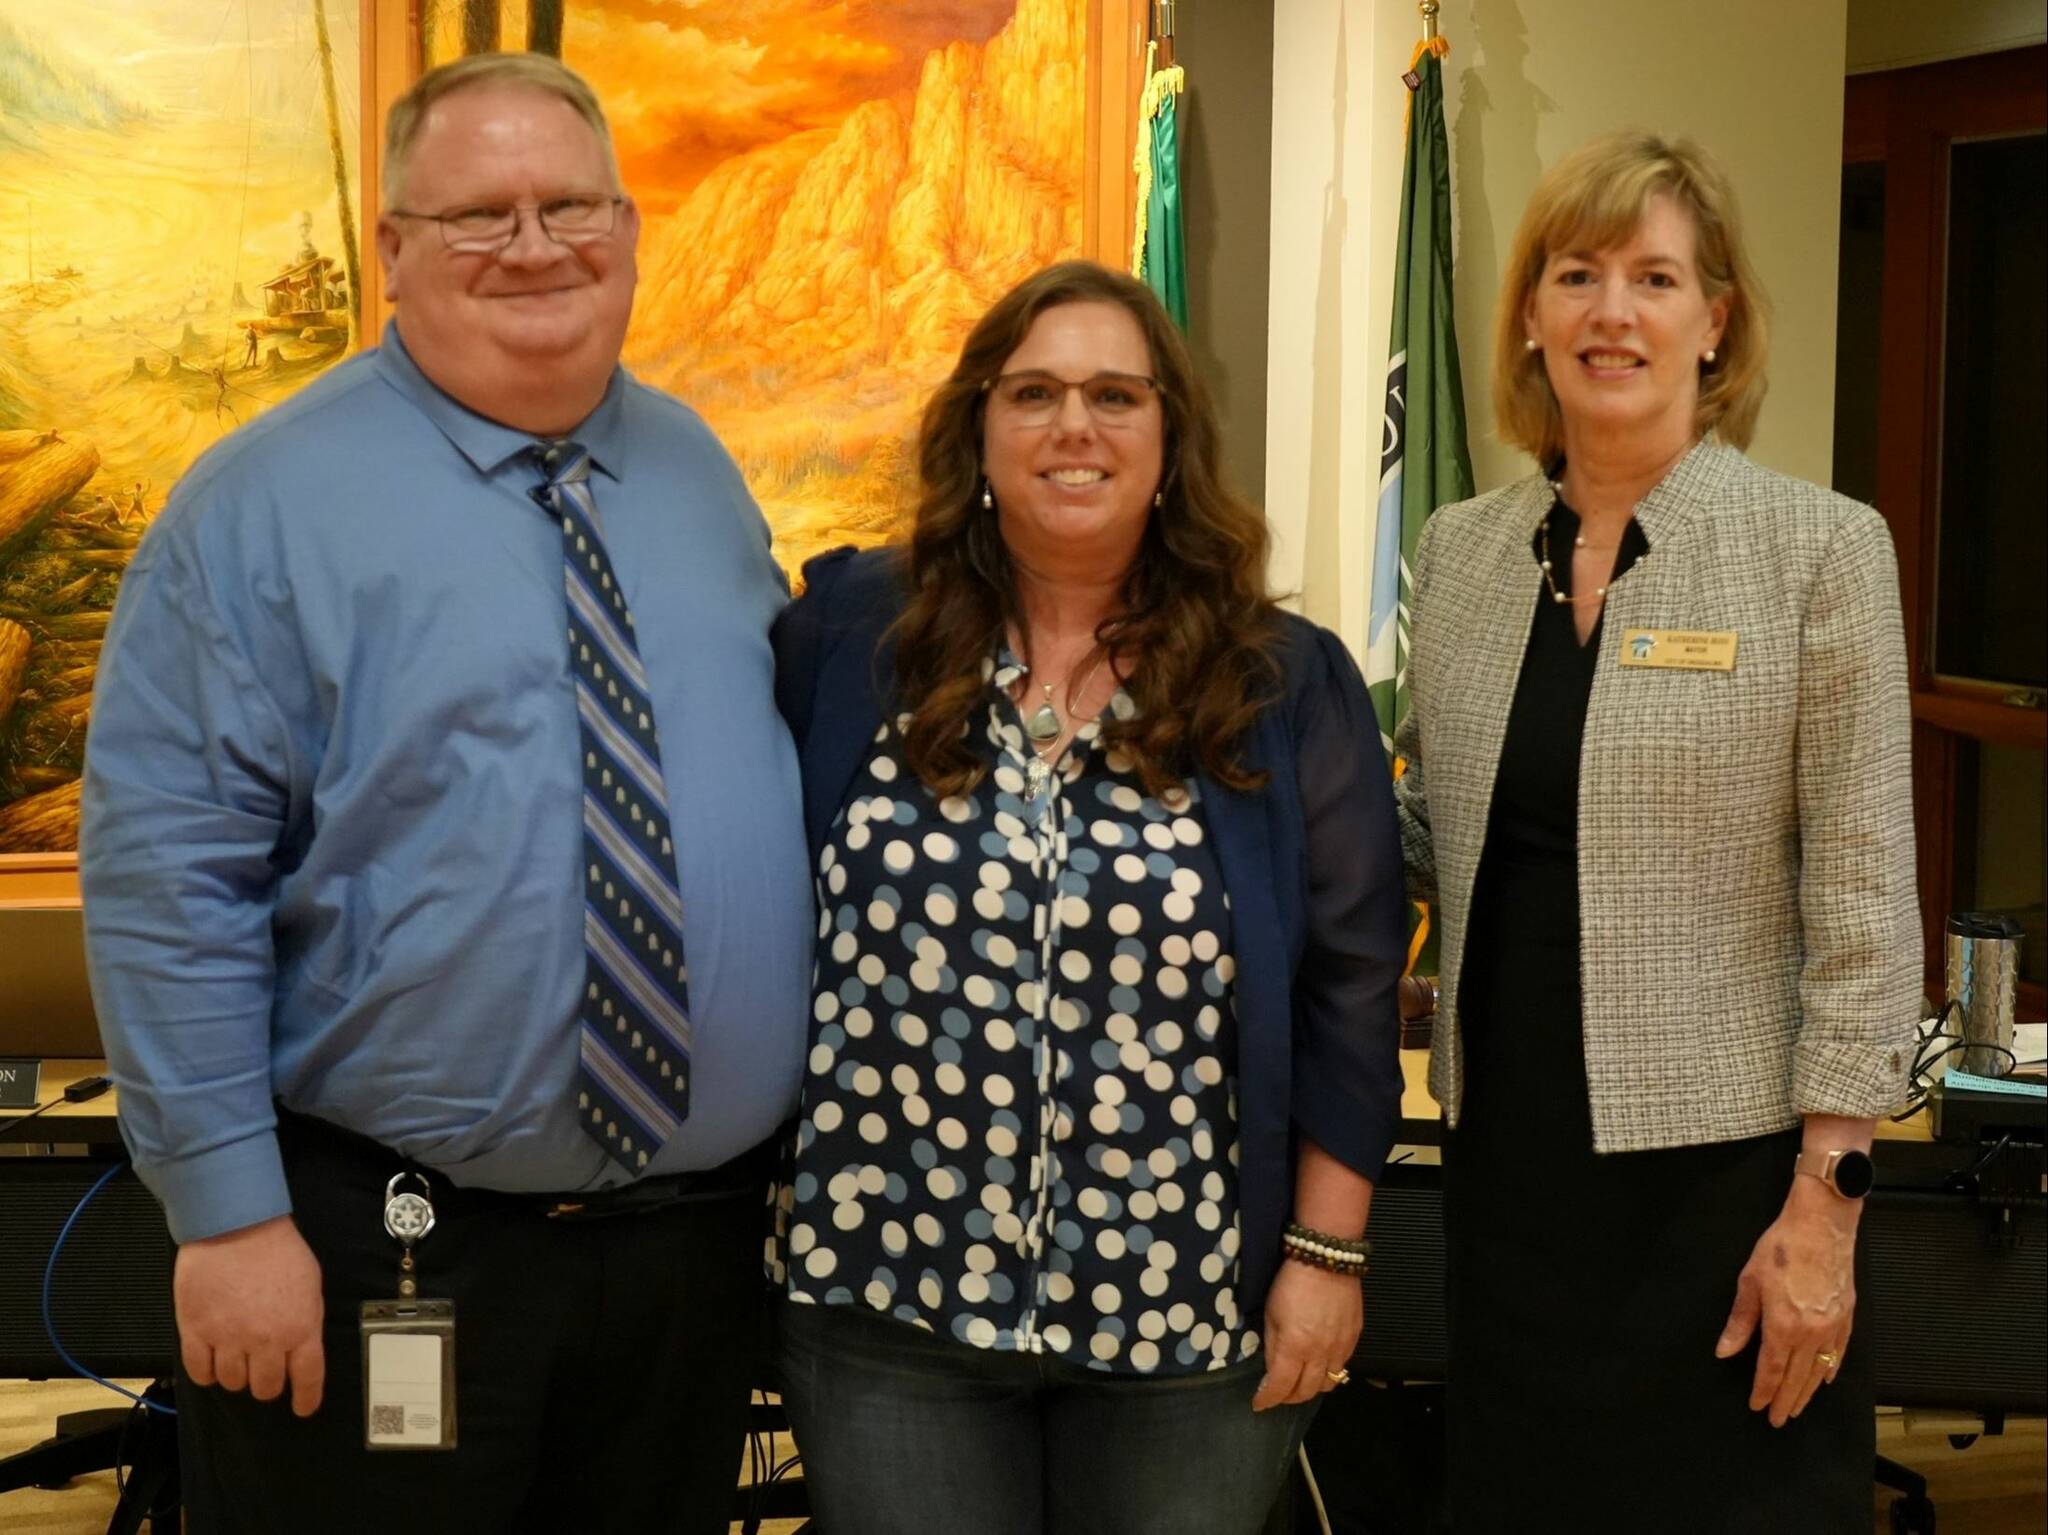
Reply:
x=345, y=809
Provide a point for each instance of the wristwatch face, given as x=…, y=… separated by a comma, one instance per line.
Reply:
x=1853, y=1175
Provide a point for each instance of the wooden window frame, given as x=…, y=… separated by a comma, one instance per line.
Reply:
x=1908, y=119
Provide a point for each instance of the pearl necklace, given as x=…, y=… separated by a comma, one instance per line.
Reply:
x=1598, y=594
x=1550, y=581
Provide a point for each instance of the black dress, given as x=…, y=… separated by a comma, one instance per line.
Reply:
x=1587, y=1291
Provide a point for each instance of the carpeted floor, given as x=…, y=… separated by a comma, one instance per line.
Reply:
x=1998, y=1486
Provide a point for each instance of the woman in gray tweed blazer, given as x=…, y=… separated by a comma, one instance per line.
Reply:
x=1657, y=785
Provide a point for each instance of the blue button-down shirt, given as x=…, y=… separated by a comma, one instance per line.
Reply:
x=331, y=826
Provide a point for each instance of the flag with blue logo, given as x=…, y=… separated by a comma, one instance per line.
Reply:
x=1423, y=459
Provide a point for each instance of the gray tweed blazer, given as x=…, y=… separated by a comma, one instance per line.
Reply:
x=1751, y=940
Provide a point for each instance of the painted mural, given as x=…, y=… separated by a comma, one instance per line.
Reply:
x=177, y=254
x=832, y=193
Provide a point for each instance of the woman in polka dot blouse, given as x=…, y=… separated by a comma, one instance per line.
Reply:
x=1110, y=920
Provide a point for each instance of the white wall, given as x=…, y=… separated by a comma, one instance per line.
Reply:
x=1336, y=187
x=1759, y=82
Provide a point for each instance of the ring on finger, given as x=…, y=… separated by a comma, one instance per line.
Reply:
x=1828, y=1358
x=1337, y=1377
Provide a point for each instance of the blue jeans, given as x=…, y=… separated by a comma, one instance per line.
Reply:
x=904, y=1433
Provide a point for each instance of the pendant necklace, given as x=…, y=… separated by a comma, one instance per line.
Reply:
x=1036, y=776
x=1043, y=730
x=1044, y=724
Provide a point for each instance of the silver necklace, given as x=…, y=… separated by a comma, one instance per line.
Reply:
x=1044, y=729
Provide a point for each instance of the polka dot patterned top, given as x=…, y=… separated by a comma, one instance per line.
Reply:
x=1019, y=1111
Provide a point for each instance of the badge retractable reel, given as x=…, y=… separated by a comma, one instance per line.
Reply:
x=408, y=1343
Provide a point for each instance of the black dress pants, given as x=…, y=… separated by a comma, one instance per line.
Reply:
x=603, y=1367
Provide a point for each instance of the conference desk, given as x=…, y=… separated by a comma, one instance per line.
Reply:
x=110, y=1296
x=1956, y=1298
x=1957, y=1281
x=78, y=1124
x=1958, y=1278
x=1957, y=1286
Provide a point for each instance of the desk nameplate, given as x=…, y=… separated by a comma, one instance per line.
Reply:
x=20, y=1081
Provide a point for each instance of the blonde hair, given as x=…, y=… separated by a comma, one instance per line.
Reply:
x=1593, y=199
x=531, y=71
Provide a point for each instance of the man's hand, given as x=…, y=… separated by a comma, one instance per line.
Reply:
x=1313, y=1318
x=249, y=1313
x=1800, y=1282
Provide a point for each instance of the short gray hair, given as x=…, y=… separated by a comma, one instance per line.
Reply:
x=531, y=71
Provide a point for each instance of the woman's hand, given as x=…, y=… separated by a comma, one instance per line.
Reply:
x=1801, y=1282
x=1313, y=1319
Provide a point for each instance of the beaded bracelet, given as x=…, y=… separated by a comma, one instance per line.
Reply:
x=1323, y=1258
x=1340, y=1255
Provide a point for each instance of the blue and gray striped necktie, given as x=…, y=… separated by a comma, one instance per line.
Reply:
x=632, y=1082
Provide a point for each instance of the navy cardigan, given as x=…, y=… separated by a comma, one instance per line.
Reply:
x=1312, y=864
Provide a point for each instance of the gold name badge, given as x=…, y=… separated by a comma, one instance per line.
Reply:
x=1683, y=650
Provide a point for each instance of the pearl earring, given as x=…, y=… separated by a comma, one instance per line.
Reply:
x=1158, y=499
x=988, y=497
x=1529, y=344
x=1708, y=355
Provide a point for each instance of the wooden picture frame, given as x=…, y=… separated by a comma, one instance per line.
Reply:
x=51, y=878
x=390, y=59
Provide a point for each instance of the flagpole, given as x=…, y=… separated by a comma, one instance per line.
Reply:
x=1429, y=8
x=1162, y=30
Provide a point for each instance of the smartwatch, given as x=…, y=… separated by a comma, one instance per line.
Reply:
x=1848, y=1173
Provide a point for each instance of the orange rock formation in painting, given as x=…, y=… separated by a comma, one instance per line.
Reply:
x=807, y=295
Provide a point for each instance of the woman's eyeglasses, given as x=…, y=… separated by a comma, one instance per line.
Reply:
x=1035, y=398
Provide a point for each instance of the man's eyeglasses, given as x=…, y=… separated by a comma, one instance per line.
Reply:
x=565, y=220
x=1034, y=398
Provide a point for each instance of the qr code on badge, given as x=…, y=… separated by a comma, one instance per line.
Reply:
x=387, y=1418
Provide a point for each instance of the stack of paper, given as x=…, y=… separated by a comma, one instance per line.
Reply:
x=1963, y=1081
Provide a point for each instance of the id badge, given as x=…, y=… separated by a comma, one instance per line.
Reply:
x=409, y=1374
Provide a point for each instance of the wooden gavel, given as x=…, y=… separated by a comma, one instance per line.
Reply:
x=1416, y=995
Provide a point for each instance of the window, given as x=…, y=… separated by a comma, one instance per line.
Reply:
x=1989, y=559
x=1940, y=398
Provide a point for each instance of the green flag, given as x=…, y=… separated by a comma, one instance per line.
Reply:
x=1159, y=253
x=1423, y=461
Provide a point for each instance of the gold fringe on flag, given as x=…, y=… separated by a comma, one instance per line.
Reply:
x=1159, y=84
x=1441, y=47
x=1420, y=939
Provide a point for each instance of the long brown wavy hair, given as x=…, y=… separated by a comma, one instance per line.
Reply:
x=1195, y=635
